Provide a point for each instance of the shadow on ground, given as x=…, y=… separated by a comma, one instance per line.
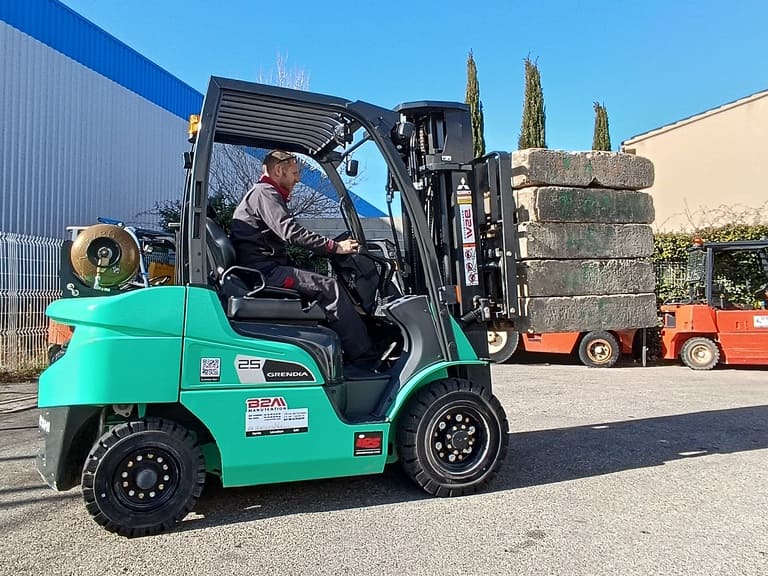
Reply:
x=534, y=458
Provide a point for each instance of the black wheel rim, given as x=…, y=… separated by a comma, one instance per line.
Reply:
x=146, y=479
x=458, y=439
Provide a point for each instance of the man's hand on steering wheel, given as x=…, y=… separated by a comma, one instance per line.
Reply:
x=348, y=246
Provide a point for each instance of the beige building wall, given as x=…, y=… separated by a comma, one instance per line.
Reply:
x=712, y=168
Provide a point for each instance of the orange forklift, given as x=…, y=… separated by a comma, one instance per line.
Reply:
x=596, y=349
x=707, y=328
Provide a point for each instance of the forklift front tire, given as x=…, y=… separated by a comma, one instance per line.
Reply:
x=452, y=437
x=599, y=349
x=700, y=354
x=143, y=477
x=502, y=344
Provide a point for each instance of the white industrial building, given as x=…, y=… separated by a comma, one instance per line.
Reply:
x=88, y=127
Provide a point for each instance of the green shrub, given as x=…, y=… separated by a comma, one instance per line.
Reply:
x=740, y=274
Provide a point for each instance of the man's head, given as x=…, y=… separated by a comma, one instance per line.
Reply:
x=282, y=167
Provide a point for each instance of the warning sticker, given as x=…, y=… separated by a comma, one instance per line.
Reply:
x=470, y=266
x=761, y=321
x=271, y=416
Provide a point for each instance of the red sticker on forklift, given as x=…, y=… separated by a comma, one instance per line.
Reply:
x=271, y=416
x=369, y=443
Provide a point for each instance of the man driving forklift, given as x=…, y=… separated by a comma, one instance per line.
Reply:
x=262, y=227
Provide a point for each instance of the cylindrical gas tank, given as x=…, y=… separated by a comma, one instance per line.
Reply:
x=106, y=251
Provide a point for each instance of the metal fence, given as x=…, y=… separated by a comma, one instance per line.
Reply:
x=28, y=283
x=671, y=280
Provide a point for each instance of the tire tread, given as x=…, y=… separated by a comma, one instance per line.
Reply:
x=110, y=439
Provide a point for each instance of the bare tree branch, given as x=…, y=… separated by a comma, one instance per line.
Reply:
x=282, y=76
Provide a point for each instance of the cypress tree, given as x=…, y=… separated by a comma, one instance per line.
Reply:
x=601, y=140
x=475, y=107
x=532, y=132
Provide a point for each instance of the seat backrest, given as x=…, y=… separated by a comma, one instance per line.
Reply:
x=221, y=252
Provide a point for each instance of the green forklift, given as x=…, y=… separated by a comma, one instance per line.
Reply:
x=162, y=386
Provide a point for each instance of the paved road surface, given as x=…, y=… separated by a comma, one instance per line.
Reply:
x=657, y=470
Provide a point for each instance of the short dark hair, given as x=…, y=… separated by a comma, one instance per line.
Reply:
x=274, y=158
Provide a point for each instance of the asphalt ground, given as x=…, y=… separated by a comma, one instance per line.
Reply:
x=629, y=470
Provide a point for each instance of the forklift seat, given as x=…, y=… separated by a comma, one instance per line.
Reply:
x=244, y=292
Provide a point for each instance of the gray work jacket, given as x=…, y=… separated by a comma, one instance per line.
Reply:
x=262, y=226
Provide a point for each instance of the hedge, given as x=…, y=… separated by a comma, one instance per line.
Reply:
x=740, y=274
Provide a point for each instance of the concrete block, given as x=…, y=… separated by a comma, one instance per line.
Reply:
x=542, y=167
x=561, y=204
x=584, y=241
x=584, y=277
x=584, y=313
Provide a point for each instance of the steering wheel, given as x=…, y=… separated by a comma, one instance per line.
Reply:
x=389, y=266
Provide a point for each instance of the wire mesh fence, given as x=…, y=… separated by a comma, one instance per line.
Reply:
x=671, y=281
x=28, y=283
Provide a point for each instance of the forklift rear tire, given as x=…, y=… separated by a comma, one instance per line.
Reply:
x=599, y=349
x=452, y=437
x=502, y=344
x=143, y=477
x=700, y=354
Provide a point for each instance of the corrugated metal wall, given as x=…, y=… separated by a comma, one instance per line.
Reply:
x=66, y=31
x=75, y=145
x=88, y=127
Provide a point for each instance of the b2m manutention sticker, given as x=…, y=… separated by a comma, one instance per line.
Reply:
x=271, y=416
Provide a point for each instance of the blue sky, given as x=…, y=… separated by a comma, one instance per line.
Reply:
x=650, y=63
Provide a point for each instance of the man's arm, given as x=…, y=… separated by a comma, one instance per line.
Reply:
x=270, y=207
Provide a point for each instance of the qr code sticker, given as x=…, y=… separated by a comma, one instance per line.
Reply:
x=210, y=369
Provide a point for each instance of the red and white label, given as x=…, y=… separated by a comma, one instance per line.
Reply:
x=468, y=241
x=467, y=224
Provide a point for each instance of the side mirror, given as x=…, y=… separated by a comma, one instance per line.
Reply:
x=351, y=167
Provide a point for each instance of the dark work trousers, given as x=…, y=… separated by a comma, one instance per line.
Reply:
x=339, y=310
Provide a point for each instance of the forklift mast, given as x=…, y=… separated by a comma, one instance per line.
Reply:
x=470, y=211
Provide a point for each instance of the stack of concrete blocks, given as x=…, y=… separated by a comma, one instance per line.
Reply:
x=585, y=240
